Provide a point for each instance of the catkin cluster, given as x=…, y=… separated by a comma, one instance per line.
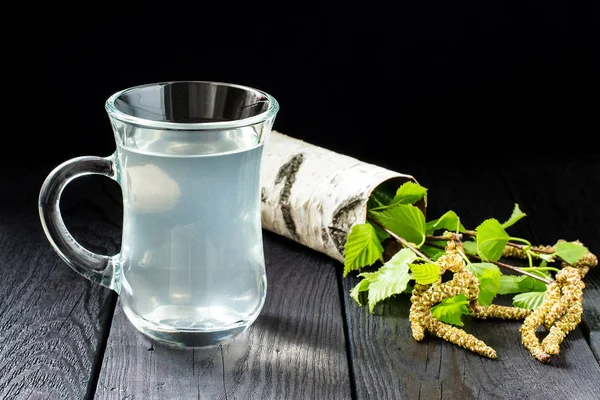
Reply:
x=424, y=297
x=560, y=312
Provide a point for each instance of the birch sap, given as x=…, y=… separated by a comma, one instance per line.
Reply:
x=193, y=257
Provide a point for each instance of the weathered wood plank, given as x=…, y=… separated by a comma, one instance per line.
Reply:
x=591, y=311
x=294, y=350
x=388, y=363
x=562, y=198
x=52, y=321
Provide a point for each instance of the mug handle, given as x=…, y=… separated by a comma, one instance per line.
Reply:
x=98, y=268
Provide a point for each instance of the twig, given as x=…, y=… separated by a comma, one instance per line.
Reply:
x=402, y=241
x=472, y=234
x=513, y=268
x=503, y=265
x=419, y=253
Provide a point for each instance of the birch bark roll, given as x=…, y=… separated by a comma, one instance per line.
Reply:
x=313, y=195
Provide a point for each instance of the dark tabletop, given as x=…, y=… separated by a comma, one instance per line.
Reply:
x=64, y=337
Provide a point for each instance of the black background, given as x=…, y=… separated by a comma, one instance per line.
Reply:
x=421, y=80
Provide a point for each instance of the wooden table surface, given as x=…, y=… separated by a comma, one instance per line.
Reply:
x=64, y=337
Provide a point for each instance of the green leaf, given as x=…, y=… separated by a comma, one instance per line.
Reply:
x=489, y=284
x=479, y=269
x=425, y=274
x=409, y=193
x=570, y=252
x=510, y=284
x=516, y=215
x=470, y=247
x=381, y=234
x=432, y=252
x=491, y=239
x=392, y=278
x=362, y=247
x=530, y=300
x=404, y=220
x=489, y=281
x=451, y=309
x=380, y=197
x=543, y=274
x=543, y=256
x=362, y=286
x=533, y=285
x=448, y=222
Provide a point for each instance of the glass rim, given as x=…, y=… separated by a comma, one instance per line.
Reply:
x=114, y=112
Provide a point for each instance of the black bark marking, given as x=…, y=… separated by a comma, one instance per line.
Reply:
x=340, y=224
x=288, y=173
x=324, y=235
x=289, y=221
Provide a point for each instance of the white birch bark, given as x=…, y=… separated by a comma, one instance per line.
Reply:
x=313, y=195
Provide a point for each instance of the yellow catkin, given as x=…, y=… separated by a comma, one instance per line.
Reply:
x=535, y=320
x=458, y=337
x=531, y=343
x=469, y=283
x=417, y=312
x=568, y=276
x=560, y=312
x=562, y=327
x=583, y=270
x=451, y=261
x=589, y=259
x=547, y=249
x=515, y=252
x=440, y=291
x=571, y=289
x=502, y=312
x=567, y=312
x=424, y=298
x=556, y=311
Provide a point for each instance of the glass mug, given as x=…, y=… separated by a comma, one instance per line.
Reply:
x=191, y=269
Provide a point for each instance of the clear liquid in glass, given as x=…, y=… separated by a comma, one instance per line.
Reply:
x=192, y=266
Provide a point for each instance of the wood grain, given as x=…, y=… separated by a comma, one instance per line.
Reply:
x=388, y=363
x=294, y=350
x=52, y=321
